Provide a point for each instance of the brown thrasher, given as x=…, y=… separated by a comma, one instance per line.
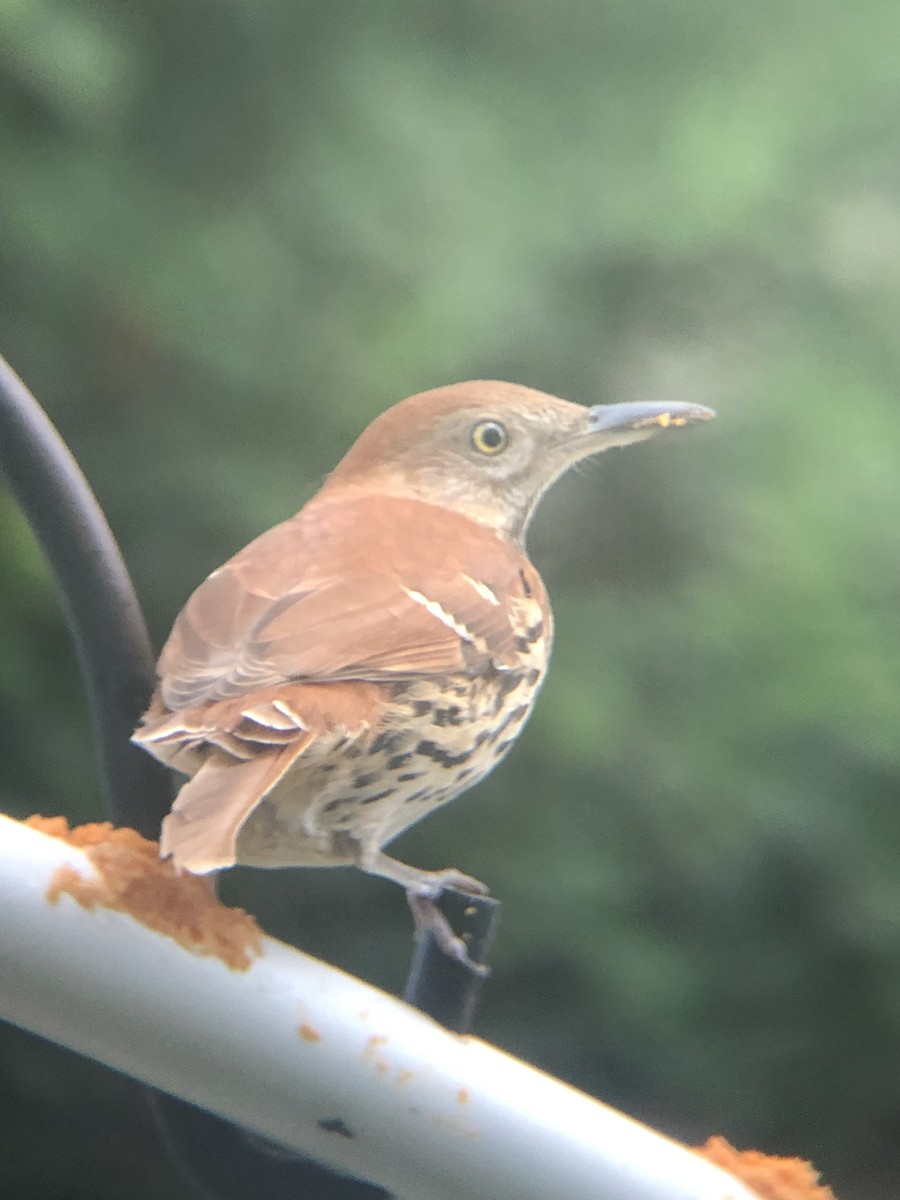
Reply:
x=377, y=654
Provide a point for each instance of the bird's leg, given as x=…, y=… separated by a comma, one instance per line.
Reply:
x=424, y=883
x=422, y=891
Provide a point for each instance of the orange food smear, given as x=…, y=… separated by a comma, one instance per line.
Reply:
x=309, y=1033
x=134, y=880
x=773, y=1178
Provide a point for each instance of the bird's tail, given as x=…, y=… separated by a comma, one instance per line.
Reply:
x=200, y=833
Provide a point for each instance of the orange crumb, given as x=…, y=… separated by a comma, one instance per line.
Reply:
x=463, y=1095
x=308, y=1033
x=773, y=1178
x=134, y=880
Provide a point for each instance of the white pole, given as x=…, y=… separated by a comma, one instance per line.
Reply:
x=313, y=1058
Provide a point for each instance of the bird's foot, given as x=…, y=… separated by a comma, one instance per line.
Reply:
x=431, y=884
x=428, y=918
x=423, y=889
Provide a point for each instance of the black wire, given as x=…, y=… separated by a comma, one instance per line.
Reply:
x=101, y=607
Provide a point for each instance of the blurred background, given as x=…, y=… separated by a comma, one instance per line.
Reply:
x=231, y=233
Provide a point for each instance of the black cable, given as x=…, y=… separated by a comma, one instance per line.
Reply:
x=101, y=607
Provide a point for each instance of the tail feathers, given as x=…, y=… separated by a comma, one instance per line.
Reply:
x=200, y=833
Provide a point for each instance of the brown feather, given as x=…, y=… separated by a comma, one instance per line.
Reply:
x=200, y=833
x=325, y=596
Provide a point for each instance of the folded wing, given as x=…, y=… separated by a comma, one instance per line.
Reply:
x=355, y=590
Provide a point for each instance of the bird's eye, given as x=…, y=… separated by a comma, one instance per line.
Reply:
x=489, y=437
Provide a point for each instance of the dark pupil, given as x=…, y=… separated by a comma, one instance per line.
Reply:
x=491, y=436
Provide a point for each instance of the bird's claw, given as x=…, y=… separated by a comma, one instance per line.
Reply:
x=431, y=884
x=429, y=919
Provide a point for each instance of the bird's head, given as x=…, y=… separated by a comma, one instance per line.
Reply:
x=490, y=450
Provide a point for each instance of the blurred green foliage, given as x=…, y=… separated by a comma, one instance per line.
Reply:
x=230, y=233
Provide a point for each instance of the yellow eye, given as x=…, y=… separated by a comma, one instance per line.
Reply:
x=489, y=437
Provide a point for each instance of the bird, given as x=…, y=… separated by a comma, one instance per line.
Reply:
x=371, y=658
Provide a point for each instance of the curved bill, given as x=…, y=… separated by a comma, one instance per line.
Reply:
x=622, y=424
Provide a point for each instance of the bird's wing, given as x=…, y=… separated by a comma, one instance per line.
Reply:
x=368, y=588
